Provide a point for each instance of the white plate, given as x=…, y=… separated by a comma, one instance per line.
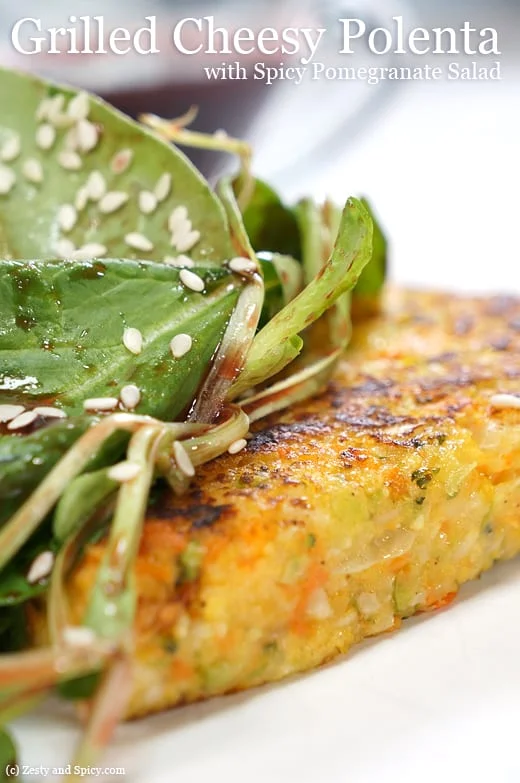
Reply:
x=438, y=700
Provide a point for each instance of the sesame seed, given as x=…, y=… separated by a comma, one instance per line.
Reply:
x=11, y=148
x=50, y=412
x=181, y=345
x=237, y=445
x=124, y=471
x=163, y=187
x=61, y=120
x=179, y=235
x=188, y=241
x=79, y=106
x=45, y=136
x=78, y=636
x=130, y=396
x=81, y=199
x=10, y=412
x=90, y=250
x=121, y=161
x=112, y=201
x=191, y=280
x=133, y=340
x=240, y=265
x=183, y=460
x=96, y=186
x=23, y=420
x=505, y=401
x=43, y=110
x=88, y=136
x=33, y=171
x=221, y=134
x=177, y=217
x=69, y=160
x=179, y=261
x=100, y=403
x=54, y=108
x=180, y=230
x=67, y=217
x=147, y=202
x=64, y=248
x=70, y=140
x=7, y=179
x=41, y=567
x=139, y=242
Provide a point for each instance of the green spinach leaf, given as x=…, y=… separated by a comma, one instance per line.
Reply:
x=64, y=148
x=373, y=276
x=62, y=327
x=271, y=225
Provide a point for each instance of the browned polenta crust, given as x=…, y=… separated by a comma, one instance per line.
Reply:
x=343, y=516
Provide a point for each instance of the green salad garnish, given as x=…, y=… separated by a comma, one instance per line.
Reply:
x=145, y=321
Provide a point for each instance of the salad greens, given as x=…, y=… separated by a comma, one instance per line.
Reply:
x=277, y=344
x=373, y=276
x=77, y=313
x=270, y=225
x=145, y=321
x=96, y=151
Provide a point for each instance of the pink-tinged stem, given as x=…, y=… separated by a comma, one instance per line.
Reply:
x=45, y=667
x=106, y=712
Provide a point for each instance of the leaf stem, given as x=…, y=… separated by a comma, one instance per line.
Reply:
x=202, y=449
x=299, y=386
x=42, y=668
x=107, y=710
x=25, y=521
x=352, y=250
x=232, y=208
x=113, y=599
x=172, y=130
x=232, y=352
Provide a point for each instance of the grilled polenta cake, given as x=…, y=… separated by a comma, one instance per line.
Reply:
x=344, y=515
